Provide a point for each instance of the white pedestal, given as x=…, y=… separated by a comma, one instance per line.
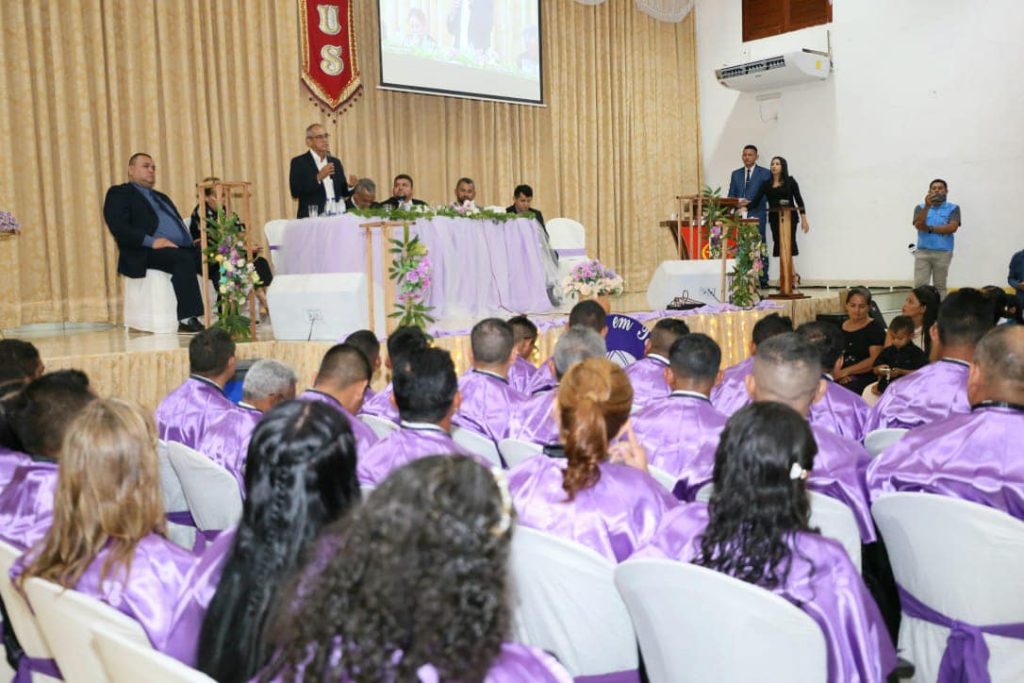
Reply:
x=700, y=280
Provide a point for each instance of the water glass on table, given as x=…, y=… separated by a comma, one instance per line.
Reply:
x=313, y=211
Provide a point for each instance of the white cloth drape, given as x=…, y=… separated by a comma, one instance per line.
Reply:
x=662, y=10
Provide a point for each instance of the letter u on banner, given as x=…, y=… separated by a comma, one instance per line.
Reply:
x=330, y=65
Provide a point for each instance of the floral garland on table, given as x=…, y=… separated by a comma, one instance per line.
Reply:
x=411, y=270
x=238, y=274
x=747, y=249
x=591, y=278
x=427, y=212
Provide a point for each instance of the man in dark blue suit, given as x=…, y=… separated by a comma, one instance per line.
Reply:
x=744, y=184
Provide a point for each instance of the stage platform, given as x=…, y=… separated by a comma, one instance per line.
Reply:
x=145, y=367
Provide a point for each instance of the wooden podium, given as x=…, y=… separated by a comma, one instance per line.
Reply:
x=786, y=290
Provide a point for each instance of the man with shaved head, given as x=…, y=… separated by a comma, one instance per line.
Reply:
x=647, y=375
x=487, y=398
x=974, y=456
x=341, y=383
x=730, y=394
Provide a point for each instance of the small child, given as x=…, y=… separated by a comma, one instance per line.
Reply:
x=902, y=357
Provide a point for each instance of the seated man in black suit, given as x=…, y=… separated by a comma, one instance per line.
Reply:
x=522, y=198
x=364, y=195
x=401, y=194
x=316, y=176
x=150, y=234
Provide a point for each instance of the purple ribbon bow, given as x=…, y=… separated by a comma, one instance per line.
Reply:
x=35, y=665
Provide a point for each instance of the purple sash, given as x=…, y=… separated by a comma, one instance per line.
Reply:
x=34, y=665
x=966, y=657
x=184, y=518
x=571, y=252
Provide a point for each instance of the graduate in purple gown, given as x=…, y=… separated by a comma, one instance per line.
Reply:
x=673, y=431
x=601, y=495
x=647, y=375
x=939, y=389
x=534, y=418
x=487, y=399
x=267, y=383
x=107, y=539
x=20, y=363
x=586, y=314
x=341, y=384
x=10, y=460
x=427, y=394
x=731, y=394
x=39, y=416
x=524, y=334
x=840, y=410
x=755, y=528
x=417, y=589
x=402, y=340
x=367, y=342
x=974, y=456
x=301, y=474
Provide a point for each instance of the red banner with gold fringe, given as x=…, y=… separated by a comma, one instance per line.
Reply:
x=330, y=63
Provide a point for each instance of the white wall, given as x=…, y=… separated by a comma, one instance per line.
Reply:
x=920, y=89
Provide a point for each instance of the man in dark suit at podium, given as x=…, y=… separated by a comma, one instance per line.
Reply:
x=316, y=176
x=744, y=184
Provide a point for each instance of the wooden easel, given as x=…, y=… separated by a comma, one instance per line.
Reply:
x=385, y=233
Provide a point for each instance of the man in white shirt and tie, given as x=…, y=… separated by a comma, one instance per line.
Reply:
x=744, y=184
x=316, y=176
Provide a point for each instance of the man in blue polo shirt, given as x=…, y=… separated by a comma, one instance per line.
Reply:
x=935, y=221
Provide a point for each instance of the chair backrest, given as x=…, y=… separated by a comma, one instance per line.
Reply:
x=697, y=625
x=565, y=233
x=212, y=493
x=274, y=232
x=124, y=659
x=835, y=520
x=170, y=487
x=959, y=558
x=18, y=613
x=515, y=451
x=380, y=426
x=703, y=494
x=880, y=439
x=564, y=601
x=662, y=477
x=478, y=444
x=66, y=617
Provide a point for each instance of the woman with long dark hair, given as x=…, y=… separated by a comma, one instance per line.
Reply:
x=755, y=528
x=782, y=190
x=601, y=496
x=415, y=587
x=922, y=306
x=300, y=475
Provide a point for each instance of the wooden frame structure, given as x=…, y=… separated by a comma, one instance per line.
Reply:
x=690, y=216
x=384, y=229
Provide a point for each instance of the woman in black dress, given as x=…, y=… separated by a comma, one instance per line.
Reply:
x=783, y=190
x=863, y=338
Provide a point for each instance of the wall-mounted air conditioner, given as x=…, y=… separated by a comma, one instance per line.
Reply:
x=791, y=68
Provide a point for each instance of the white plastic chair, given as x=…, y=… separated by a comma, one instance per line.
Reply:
x=150, y=304
x=564, y=601
x=124, y=659
x=66, y=617
x=964, y=561
x=380, y=426
x=274, y=233
x=21, y=618
x=836, y=521
x=662, y=477
x=515, y=451
x=174, y=499
x=569, y=240
x=703, y=494
x=478, y=444
x=880, y=439
x=697, y=625
x=212, y=493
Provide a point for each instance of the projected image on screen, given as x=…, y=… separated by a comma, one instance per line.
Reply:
x=472, y=48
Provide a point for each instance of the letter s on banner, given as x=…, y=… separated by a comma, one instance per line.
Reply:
x=332, y=63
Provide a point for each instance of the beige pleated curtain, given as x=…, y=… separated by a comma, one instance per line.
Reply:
x=211, y=87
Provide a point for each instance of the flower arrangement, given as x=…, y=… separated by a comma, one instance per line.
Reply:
x=591, y=279
x=8, y=225
x=746, y=250
x=418, y=212
x=226, y=250
x=411, y=270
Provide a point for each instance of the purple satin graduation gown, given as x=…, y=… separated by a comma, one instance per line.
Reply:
x=402, y=446
x=840, y=411
x=534, y=419
x=647, y=376
x=380, y=405
x=673, y=431
x=924, y=396
x=9, y=462
x=544, y=378
x=614, y=517
x=977, y=457
x=520, y=374
x=487, y=403
x=26, y=505
x=365, y=437
x=730, y=394
x=822, y=582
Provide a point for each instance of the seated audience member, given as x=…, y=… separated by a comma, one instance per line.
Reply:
x=315, y=176
x=364, y=195
x=974, y=456
x=199, y=414
x=524, y=335
x=1003, y=310
x=303, y=453
x=940, y=388
x=863, y=338
x=465, y=194
x=922, y=306
x=427, y=396
x=755, y=528
x=415, y=587
x=534, y=419
x=601, y=496
x=401, y=195
x=40, y=416
x=674, y=430
x=267, y=383
x=588, y=314
x=401, y=341
x=367, y=342
x=731, y=393
x=647, y=375
x=840, y=410
x=1015, y=278
x=19, y=364
x=341, y=383
x=487, y=399
x=901, y=357
x=522, y=200
x=106, y=539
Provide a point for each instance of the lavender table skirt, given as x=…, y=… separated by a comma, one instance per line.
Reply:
x=480, y=267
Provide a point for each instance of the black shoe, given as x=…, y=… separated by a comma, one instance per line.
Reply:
x=190, y=326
